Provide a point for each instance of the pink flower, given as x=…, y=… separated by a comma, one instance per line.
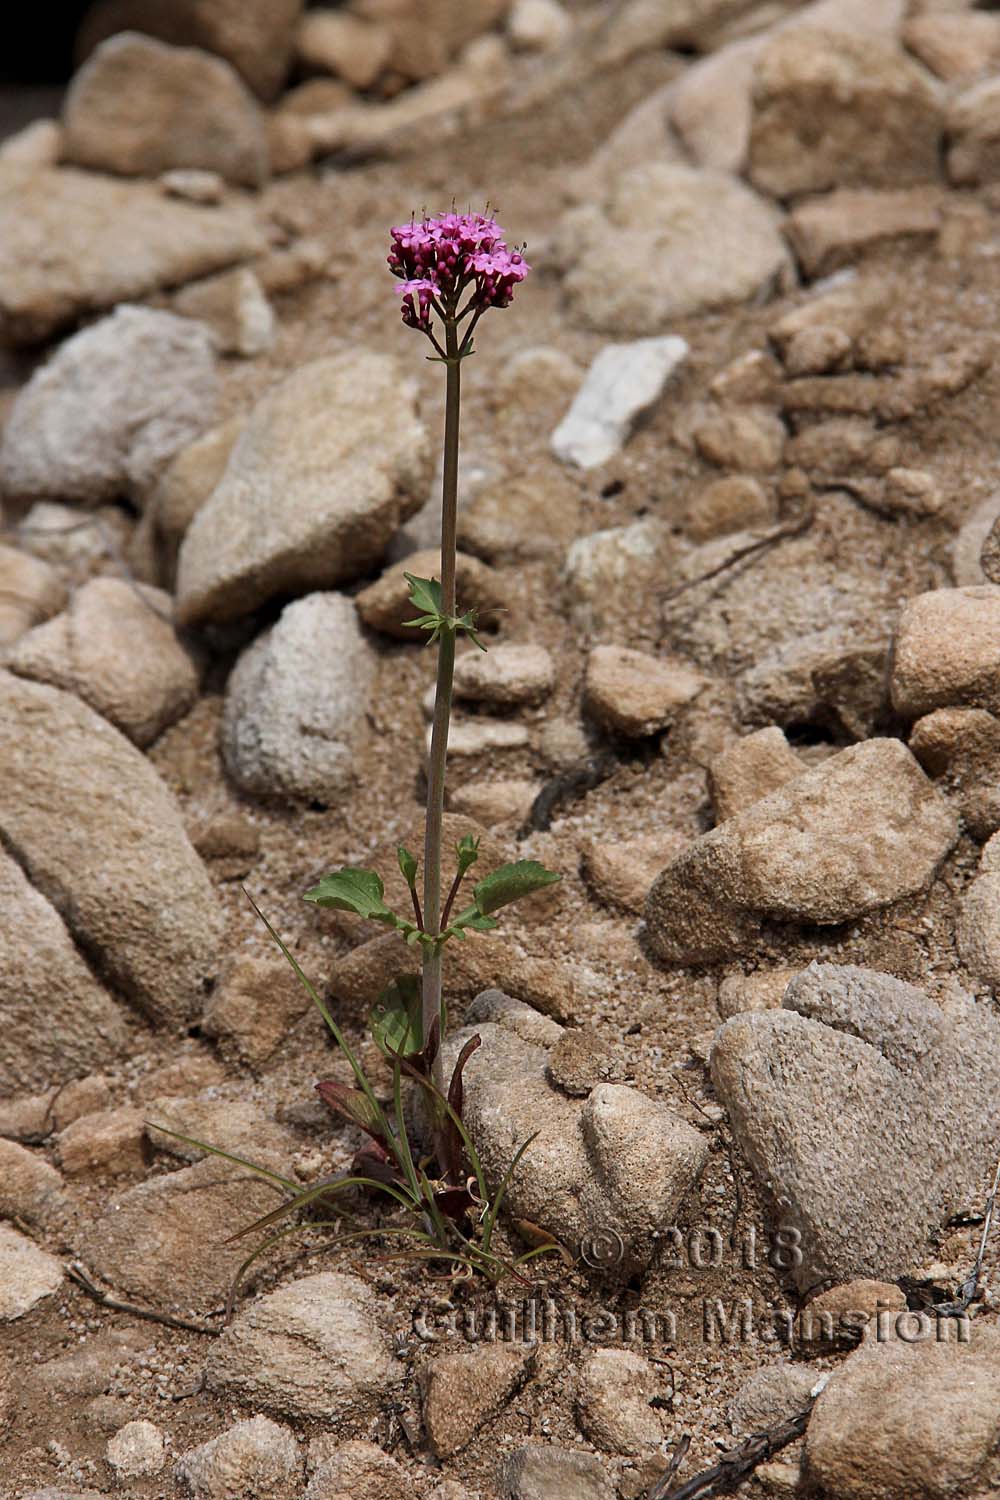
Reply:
x=461, y=260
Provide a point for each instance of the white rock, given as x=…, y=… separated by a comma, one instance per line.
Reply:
x=477, y=736
x=39, y=144
x=537, y=25
x=194, y=184
x=27, y=1274
x=136, y=1450
x=109, y=409
x=295, y=702
x=256, y=1458
x=623, y=381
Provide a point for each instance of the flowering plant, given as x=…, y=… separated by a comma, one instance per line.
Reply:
x=452, y=269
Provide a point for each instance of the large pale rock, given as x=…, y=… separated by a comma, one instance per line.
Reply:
x=917, y=1415
x=667, y=241
x=313, y=1349
x=100, y=836
x=836, y=110
x=865, y=1110
x=855, y=834
x=464, y=1389
x=837, y=228
x=138, y=107
x=257, y=1459
x=334, y=41
x=294, y=720
x=109, y=409
x=73, y=243
x=426, y=36
x=544, y=1471
x=329, y=463
x=256, y=36
x=28, y=1274
x=623, y=381
x=116, y=648
x=580, y=1178
x=616, y=1389
x=635, y=694
x=163, y=1239
x=751, y=768
x=947, y=651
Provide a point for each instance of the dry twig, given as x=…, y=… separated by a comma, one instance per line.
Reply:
x=104, y=1299
x=734, y=1466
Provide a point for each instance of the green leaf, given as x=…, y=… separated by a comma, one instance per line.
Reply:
x=511, y=883
x=425, y=594
x=467, y=850
x=471, y=919
x=396, y=1017
x=350, y=889
x=407, y=865
x=467, y=622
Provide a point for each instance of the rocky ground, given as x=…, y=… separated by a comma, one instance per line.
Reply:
x=731, y=512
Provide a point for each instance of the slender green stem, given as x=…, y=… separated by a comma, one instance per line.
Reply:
x=432, y=986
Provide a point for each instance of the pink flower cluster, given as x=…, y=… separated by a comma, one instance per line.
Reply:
x=441, y=258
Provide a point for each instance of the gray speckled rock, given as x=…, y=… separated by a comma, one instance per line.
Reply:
x=256, y=1458
x=858, y=832
x=295, y=702
x=108, y=410
x=98, y=833
x=313, y=1349
x=867, y=1113
x=330, y=462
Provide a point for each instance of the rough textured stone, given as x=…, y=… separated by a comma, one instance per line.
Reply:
x=680, y=240
x=543, y=1471
x=138, y=107
x=900, y=1419
x=73, y=243
x=973, y=128
x=635, y=694
x=38, y=144
x=235, y=308
x=256, y=1458
x=256, y=36
x=162, y=1240
x=836, y=229
x=385, y=604
x=28, y=1274
x=337, y=42
x=30, y=1189
x=749, y=769
x=621, y=874
x=957, y=46
x=290, y=730
x=864, y=1110
x=313, y=1349
x=607, y=570
x=977, y=931
x=741, y=438
x=962, y=745
x=843, y=1315
x=623, y=381
x=614, y=1393
x=110, y=407
x=463, y=1390
x=947, y=651
x=30, y=591
x=117, y=650
x=772, y=1395
x=425, y=38
x=136, y=1450
x=41, y=974
x=507, y=675
x=762, y=990
x=836, y=110
x=316, y=485
x=175, y=499
x=108, y=1143
x=254, y=1007
x=852, y=835
x=734, y=503
x=100, y=836
x=359, y=1469
x=582, y=1173
x=236, y=1125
